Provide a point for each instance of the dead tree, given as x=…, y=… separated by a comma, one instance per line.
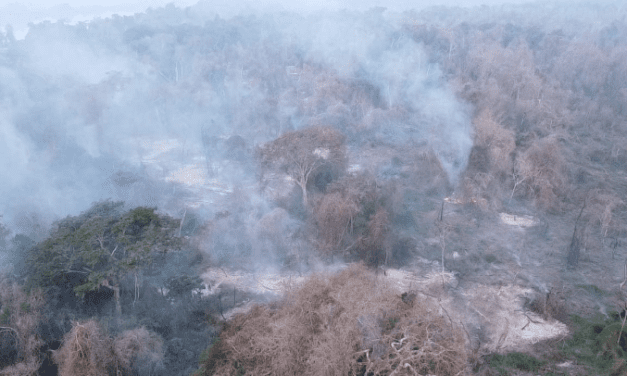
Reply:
x=572, y=259
x=209, y=144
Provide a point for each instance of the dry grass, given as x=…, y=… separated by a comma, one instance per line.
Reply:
x=349, y=323
x=20, y=315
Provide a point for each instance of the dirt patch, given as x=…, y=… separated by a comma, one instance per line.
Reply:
x=497, y=311
x=518, y=220
x=260, y=283
x=508, y=327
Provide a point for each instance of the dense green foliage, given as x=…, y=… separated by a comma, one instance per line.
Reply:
x=99, y=247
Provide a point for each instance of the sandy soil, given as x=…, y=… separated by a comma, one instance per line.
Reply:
x=497, y=311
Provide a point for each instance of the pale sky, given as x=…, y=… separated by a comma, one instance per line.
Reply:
x=19, y=14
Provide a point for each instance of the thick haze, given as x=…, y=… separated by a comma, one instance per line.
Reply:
x=19, y=15
x=85, y=104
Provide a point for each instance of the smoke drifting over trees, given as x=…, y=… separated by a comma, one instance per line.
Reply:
x=91, y=97
x=140, y=154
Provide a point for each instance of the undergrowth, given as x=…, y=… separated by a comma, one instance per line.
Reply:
x=87, y=350
x=515, y=360
x=349, y=323
x=599, y=344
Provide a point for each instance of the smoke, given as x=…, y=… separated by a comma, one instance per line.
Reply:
x=378, y=46
x=163, y=108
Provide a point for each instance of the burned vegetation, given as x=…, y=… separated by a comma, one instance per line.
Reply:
x=442, y=195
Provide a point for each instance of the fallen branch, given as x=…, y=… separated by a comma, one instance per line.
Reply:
x=406, y=365
x=398, y=343
x=367, y=352
x=529, y=318
x=449, y=317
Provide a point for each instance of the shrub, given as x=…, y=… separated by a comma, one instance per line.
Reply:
x=542, y=169
x=334, y=215
x=489, y=166
x=349, y=323
x=498, y=141
x=20, y=316
x=352, y=220
x=137, y=349
x=8, y=347
x=183, y=285
x=516, y=360
x=599, y=343
x=87, y=350
x=375, y=248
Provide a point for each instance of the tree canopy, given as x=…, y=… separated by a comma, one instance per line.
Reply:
x=99, y=247
x=303, y=153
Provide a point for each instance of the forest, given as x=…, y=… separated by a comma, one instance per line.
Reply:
x=437, y=191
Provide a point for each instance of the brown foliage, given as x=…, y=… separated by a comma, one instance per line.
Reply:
x=429, y=177
x=601, y=206
x=600, y=223
x=25, y=368
x=349, y=219
x=585, y=67
x=542, y=169
x=334, y=214
x=350, y=323
x=375, y=247
x=550, y=305
x=87, y=350
x=357, y=188
x=137, y=345
x=21, y=314
x=502, y=76
x=498, y=141
x=490, y=161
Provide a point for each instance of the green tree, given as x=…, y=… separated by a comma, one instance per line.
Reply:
x=100, y=247
x=4, y=234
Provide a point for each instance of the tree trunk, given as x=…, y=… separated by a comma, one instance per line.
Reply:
x=303, y=186
x=116, y=297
